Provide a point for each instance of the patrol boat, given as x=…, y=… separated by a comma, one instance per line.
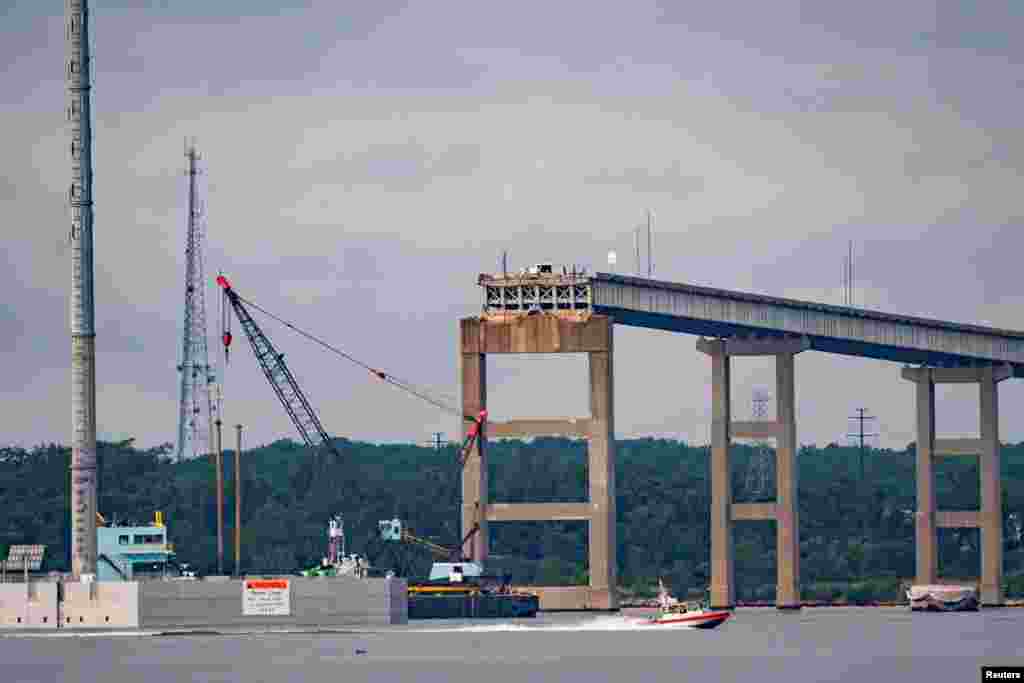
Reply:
x=673, y=612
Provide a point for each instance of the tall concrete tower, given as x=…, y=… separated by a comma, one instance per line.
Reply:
x=83, y=332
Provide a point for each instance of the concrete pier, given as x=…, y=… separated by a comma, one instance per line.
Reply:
x=548, y=333
x=989, y=518
x=784, y=510
x=474, y=472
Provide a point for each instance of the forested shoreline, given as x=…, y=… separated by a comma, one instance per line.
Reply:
x=857, y=536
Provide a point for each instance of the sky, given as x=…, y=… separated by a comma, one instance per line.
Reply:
x=365, y=161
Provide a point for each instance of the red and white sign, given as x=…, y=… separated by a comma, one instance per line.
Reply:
x=266, y=598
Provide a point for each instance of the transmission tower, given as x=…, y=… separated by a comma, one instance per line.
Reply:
x=860, y=435
x=759, y=472
x=197, y=410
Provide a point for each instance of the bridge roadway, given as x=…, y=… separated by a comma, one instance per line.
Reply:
x=676, y=307
x=733, y=324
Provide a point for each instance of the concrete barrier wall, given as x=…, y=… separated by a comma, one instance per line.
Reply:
x=561, y=597
x=100, y=604
x=28, y=606
x=398, y=600
x=315, y=602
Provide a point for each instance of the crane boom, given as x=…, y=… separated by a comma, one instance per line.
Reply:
x=450, y=554
x=280, y=377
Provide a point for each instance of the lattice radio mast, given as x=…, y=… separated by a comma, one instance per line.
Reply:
x=197, y=410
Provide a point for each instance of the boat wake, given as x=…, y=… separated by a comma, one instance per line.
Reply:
x=603, y=623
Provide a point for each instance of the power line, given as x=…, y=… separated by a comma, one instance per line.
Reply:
x=861, y=434
x=408, y=387
x=759, y=470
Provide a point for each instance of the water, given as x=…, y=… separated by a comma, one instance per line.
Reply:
x=877, y=645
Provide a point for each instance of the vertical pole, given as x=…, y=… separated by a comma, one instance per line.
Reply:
x=82, y=304
x=238, y=500
x=787, y=532
x=474, y=473
x=601, y=465
x=860, y=421
x=723, y=591
x=924, y=527
x=219, y=456
x=636, y=250
x=991, y=494
x=650, y=265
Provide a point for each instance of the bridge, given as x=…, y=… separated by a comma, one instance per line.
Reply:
x=547, y=312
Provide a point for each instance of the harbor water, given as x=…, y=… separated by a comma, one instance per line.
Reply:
x=815, y=644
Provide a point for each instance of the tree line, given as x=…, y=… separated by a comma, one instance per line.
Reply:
x=855, y=534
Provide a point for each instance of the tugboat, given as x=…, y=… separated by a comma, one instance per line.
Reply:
x=337, y=562
x=673, y=612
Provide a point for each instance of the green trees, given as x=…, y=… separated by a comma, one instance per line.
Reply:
x=662, y=502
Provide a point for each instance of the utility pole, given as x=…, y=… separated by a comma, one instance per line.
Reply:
x=861, y=435
x=636, y=250
x=238, y=501
x=219, y=455
x=650, y=257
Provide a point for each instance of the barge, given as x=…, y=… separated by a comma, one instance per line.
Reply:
x=460, y=590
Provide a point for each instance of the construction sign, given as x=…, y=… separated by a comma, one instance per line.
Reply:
x=266, y=598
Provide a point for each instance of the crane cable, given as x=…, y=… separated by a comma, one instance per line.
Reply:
x=380, y=374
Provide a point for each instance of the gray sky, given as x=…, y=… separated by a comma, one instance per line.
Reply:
x=367, y=160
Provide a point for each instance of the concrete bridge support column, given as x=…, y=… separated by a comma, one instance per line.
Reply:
x=990, y=518
x=991, y=493
x=548, y=333
x=784, y=510
x=787, y=519
x=925, y=533
x=601, y=468
x=723, y=576
x=474, y=473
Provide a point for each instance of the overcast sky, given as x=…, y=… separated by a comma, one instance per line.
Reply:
x=366, y=160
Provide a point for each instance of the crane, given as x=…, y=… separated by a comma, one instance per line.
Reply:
x=394, y=530
x=291, y=396
x=280, y=377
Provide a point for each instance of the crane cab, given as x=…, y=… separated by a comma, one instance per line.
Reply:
x=455, y=572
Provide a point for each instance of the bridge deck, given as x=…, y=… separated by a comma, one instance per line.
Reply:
x=690, y=309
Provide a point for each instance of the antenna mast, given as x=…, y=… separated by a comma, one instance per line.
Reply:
x=636, y=250
x=196, y=410
x=848, y=276
x=650, y=257
x=83, y=305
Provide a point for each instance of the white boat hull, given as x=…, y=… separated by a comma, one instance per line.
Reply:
x=943, y=598
x=698, y=619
